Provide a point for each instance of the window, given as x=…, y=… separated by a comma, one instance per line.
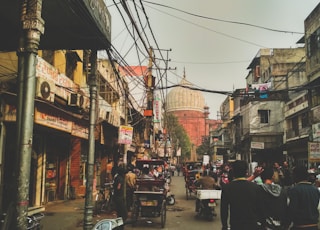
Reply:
x=264, y=116
x=304, y=120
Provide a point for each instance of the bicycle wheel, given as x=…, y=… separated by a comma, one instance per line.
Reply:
x=163, y=213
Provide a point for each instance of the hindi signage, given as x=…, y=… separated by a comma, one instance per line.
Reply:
x=314, y=151
x=125, y=134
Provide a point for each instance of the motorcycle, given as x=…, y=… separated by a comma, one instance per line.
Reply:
x=206, y=202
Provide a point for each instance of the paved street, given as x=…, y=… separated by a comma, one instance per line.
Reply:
x=68, y=215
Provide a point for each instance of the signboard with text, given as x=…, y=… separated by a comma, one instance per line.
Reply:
x=125, y=134
x=257, y=145
x=314, y=151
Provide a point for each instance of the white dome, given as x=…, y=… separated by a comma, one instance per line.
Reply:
x=182, y=98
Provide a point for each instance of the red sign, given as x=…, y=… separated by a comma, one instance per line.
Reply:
x=147, y=113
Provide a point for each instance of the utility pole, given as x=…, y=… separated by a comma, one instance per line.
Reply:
x=165, y=134
x=32, y=28
x=92, y=81
x=125, y=149
x=148, y=113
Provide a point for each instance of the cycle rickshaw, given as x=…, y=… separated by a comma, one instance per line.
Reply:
x=150, y=194
x=193, y=171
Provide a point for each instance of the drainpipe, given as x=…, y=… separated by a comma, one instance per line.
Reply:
x=92, y=81
x=32, y=27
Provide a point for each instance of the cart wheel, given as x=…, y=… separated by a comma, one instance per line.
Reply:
x=135, y=214
x=163, y=213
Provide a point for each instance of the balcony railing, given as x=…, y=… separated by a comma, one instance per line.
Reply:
x=292, y=133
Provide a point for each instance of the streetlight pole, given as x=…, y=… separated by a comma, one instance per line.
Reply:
x=32, y=28
x=92, y=80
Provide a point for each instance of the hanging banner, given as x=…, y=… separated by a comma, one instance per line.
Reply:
x=125, y=134
x=157, y=109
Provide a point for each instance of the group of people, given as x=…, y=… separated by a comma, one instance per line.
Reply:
x=124, y=185
x=270, y=203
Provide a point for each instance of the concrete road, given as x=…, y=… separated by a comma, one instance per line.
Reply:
x=181, y=215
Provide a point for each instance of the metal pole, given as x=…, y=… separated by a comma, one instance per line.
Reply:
x=33, y=27
x=88, y=212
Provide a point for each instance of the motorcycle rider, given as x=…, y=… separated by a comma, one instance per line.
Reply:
x=206, y=181
x=225, y=175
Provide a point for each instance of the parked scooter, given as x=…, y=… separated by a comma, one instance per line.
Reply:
x=109, y=224
x=7, y=219
x=206, y=202
x=34, y=221
x=167, y=176
x=170, y=199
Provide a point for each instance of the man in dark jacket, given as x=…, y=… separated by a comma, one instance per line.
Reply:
x=274, y=200
x=119, y=200
x=303, y=201
x=242, y=199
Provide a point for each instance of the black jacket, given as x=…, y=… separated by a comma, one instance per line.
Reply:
x=242, y=199
x=303, y=204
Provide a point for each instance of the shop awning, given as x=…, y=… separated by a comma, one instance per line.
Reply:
x=69, y=24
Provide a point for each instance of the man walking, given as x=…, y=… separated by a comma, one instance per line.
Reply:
x=303, y=201
x=241, y=199
x=119, y=200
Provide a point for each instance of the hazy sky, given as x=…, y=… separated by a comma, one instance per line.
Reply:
x=214, y=54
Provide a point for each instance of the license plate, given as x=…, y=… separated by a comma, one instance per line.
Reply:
x=149, y=203
x=211, y=204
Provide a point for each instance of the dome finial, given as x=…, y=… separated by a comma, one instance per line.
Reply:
x=184, y=72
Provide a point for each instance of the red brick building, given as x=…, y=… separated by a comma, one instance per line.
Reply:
x=189, y=107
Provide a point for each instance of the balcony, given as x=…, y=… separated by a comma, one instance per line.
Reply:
x=296, y=109
x=297, y=133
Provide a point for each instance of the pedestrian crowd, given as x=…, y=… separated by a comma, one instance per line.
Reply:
x=273, y=197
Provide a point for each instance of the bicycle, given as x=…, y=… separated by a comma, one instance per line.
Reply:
x=104, y=199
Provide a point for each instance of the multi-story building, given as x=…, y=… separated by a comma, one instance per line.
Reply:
x=220, y=137
x=312, y=40
x=61, y=117
x=296, y=114
x=257, y=123
x=276, y=117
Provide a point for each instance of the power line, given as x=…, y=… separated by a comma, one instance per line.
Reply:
x=225, y=21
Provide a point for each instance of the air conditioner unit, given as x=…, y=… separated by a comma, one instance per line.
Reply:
x=76, y=100
x=85, y=103
x=45, y=89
